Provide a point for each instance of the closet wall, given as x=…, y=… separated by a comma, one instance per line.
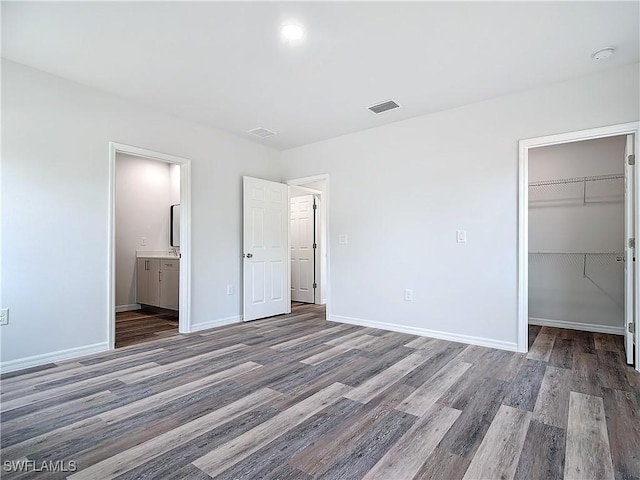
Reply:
x=576, y=235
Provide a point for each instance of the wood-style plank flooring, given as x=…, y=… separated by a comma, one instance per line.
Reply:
x=296, y=397
x=139, y=326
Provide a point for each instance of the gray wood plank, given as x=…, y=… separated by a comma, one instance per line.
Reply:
x=425, y=396
x=406, y=457
x=588, y=454
x=229, y=454
x=317, y=457
x=133, y=457
x=622, y=413
x=552, y=405
x=500, y=449
x=542, y=347
x=525, y=387
x=267, y=461
x=360, y=457
x=369, y=389
x=542, y=455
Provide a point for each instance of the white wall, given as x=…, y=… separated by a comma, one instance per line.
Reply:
x=401, y=191
x=55, y=175
x=560, y=222
x=145, y=191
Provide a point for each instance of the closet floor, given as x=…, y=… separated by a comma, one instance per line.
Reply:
x=141, y=326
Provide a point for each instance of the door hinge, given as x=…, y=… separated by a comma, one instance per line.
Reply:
x=632, y=243
x=632, y=328
x=315, y=207
x=631, y=159
x=315, y=285
x=315, y=245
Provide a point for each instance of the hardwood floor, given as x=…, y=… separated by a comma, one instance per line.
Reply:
x=297, y=397
x=139, y=326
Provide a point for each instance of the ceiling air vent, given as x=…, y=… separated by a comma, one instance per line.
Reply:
x=384, y=106
x=262, y=132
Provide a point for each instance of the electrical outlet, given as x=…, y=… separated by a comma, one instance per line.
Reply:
x=230, y=289
x=4, y=316
x=342, y=239
x=408, y=295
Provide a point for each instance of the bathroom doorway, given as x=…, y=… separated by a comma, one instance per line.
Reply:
x=149, y=248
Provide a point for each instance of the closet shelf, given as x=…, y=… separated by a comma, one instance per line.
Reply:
x=568, y=191
x=562, y=181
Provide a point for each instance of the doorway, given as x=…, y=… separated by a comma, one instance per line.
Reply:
x=149, y=245
x=266, y=252
x=578, y=219
x=315, y=190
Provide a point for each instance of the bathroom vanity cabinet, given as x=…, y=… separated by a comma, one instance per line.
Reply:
x=158, y=282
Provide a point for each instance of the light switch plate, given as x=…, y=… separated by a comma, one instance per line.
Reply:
x=342, y=239
x=4, y=316
x=143, y=241
x=461, y=236
x=230, y=289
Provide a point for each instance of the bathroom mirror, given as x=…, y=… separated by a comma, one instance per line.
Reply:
x=175, y=225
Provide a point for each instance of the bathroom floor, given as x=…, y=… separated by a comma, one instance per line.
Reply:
x=141, y=326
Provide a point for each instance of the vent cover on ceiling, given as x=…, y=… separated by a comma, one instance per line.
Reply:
x=384, y=106
x=262, y=132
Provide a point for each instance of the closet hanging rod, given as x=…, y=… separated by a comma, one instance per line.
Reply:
x=562, y=181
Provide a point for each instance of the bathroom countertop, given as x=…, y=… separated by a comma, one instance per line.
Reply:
x=160, y=255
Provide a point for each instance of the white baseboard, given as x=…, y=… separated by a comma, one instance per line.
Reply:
x=424, y=332
x=587, y=327
x=128, y=308
x=36, y=360
x=221, y=322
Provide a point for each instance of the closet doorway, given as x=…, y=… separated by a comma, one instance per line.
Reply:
x=578, y=224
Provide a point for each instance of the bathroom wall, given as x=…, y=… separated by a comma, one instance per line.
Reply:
x=571, y=290
x=145, y=190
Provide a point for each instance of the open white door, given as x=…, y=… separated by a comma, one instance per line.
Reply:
x=630, y=304
x=265, y=240
x=302, y=249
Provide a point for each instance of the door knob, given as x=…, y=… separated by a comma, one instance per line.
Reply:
x=249, y=255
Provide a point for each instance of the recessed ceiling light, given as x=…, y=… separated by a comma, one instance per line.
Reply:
x=603, y=53
x=292, y=32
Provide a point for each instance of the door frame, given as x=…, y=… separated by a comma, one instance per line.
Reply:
x=523, y=216
x=324, y=234
x=184, y=313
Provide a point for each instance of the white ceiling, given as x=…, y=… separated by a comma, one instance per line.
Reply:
x=223, y=64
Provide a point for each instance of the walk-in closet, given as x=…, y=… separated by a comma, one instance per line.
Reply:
x=576, y=235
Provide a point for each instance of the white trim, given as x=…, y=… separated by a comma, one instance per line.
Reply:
x=425, y=332
x=325, y=234
x=523, y=214
x=184, y=316
x=128, y=308
x=43, y=359
x=587, y=327
x=221, y=322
